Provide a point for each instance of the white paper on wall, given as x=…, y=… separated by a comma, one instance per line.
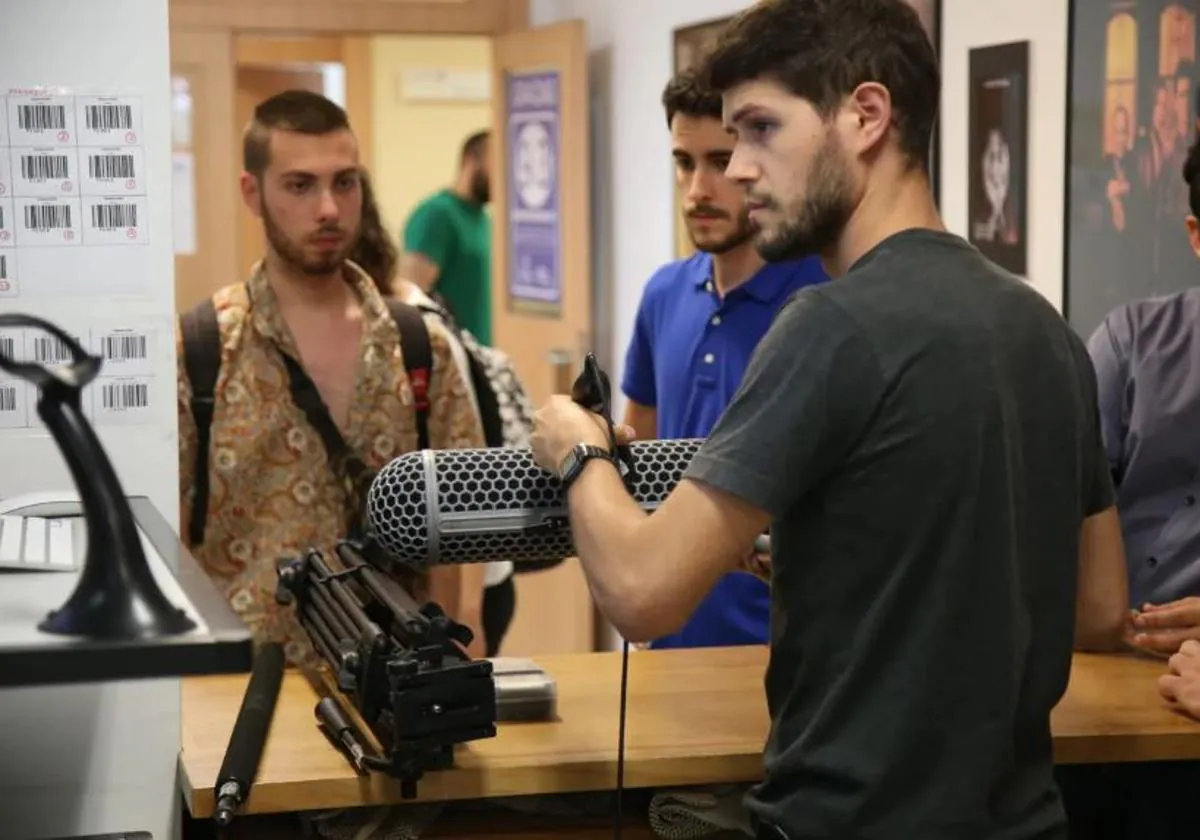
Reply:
x=73, y=195
x=74, y=220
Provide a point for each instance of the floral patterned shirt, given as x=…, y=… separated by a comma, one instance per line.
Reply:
x=272, y=490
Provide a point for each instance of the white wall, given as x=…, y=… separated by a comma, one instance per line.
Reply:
x=90, y=759
x=971, y=23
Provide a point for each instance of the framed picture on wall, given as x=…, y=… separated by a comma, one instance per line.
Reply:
x=998, y=153
x=1130, y=119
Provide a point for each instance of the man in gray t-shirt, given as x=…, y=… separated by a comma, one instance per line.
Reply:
x=921, y=437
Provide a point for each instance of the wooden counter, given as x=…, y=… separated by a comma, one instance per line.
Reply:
x=694, y=717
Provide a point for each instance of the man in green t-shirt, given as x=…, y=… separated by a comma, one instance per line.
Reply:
x=448, y=243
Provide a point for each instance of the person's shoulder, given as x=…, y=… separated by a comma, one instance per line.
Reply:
x=1152, y=321
x=671, y=278
x=432, y=205
x=796, y=274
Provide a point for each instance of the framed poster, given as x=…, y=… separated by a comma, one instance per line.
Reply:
x=998, y=153
x=689, y=43
x=1130, y=120
x=534, y=218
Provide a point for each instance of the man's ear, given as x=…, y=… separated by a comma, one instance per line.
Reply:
x=869, y=108
x=251, y=189
x=1193, y=232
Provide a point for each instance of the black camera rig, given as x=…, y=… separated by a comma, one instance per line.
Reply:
x=402, y=666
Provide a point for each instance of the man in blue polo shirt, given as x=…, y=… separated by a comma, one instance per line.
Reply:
x=698, y=323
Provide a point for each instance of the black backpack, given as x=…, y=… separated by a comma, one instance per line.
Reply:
x=202, y=360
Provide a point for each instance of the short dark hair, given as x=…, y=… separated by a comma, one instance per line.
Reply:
x=1191, y=176
x=301, y=111
x=472, y=147
x=821, y=50
x=686, y=94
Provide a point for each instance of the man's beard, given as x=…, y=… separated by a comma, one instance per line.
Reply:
x=814, y=224
x=292, y=254
x=742, y=234
x=481, y=189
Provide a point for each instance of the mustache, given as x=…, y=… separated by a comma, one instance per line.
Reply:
x=706, y=211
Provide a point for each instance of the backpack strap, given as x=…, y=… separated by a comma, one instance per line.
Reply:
x=418, y=360
x=202, y=361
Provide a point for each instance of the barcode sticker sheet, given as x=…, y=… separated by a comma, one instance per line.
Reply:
x=72, y=179
x=124, y=393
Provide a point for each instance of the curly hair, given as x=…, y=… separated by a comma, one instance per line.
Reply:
x=375, y=253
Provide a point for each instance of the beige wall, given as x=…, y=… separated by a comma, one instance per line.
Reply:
x=416, y=144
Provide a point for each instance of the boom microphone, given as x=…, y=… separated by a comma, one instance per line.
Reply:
x=249, y=735
x=477, y=505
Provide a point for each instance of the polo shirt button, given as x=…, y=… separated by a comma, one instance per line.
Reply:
x=716, y=320
x=708, y=286
x=709, y=358
x=1153, y=561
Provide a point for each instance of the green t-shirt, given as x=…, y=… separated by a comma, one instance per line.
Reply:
x=456, y=236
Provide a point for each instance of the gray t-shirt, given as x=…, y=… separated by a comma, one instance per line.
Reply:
x=924, y=433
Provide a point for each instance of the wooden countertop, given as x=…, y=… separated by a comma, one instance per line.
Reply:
x=694, y=717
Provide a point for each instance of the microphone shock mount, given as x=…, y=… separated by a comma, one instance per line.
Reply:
x=399, y=664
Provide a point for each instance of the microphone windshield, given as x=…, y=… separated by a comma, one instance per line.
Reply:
x=480, y=505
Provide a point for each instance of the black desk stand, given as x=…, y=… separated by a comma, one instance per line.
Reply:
x=117, y=603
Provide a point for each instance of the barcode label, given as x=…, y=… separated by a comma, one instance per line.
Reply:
x=110, y=167
x=114, y=216
x=50, y=350
x=109, y=117
x=44, y=167
x=124, y=347
x=8, y=398
x=124, y=395
x=45, y=217
x=42, y=117
x=8, y=346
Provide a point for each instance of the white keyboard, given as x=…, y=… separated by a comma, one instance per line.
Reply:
x=34, y=543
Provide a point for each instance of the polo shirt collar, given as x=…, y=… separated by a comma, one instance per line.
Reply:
x=767, y=284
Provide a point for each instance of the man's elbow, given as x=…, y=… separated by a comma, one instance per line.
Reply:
x=641, y=619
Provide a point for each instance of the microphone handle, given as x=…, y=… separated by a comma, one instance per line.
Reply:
x=249, y=736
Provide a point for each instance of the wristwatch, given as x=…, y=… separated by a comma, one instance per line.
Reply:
x=576, y=459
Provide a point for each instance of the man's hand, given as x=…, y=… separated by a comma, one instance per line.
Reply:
x=562, y=424
x=757, y=563
x=1180, y=686
x=1162, y=628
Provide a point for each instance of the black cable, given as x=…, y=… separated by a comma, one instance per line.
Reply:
x=621, y=738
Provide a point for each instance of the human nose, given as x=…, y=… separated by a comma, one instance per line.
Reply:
x=741, y=168
x=327, y=207
x=700, y=185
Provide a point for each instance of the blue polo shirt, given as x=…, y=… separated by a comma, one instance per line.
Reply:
x=687, y=357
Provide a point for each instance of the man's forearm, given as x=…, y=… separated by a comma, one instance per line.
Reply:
x=607, y=526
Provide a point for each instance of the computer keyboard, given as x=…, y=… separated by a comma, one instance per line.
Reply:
x=36, y=543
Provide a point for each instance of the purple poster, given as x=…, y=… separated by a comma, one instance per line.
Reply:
x=534, y=229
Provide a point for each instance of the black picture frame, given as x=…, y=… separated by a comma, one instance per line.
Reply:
x=1131, y=115
x=998, y=153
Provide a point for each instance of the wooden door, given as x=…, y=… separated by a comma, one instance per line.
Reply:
x=205, y=161
x=541, y=284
